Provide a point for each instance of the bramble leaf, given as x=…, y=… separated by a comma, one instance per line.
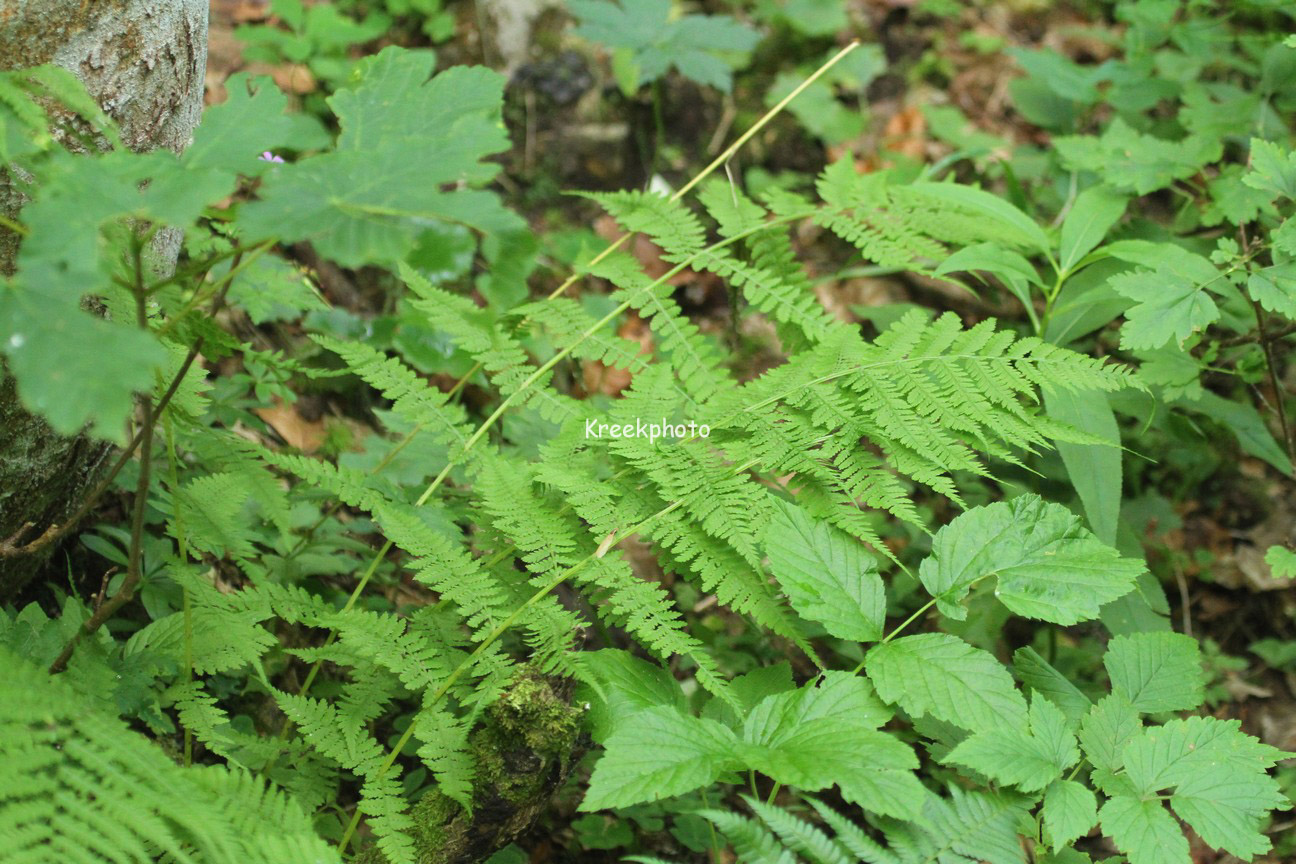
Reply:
x=1156, y=671
x=941, y=675
x=699, y=46
x=828, y=575
x=1168, y=306
x=1070, y=811
x=1047, y=564
x=372, y=198
x=658, y=753
x=1029, y=759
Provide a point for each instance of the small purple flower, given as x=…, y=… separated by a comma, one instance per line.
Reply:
x=267, y=156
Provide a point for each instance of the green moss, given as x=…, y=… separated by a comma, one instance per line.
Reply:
x=522, y=752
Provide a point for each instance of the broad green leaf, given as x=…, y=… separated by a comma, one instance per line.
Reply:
x=629, y=685
x=1281, y=561
x=1144, y=830
x=658, y=753
x=1037, y=674
x=73, y=368
x=701, y=47
x=1062, y=75
x=1272, y=170
x=1274, y=288
x=251, y=121
x=1086, y=302
x=815, y=17
x=1011, y=267
x=1047, y=564
x=1143, y=610
x=1070, y=810
x=1128, y=160
x=1156, y=671
x=826, y=733
x=1168, y=307
x=1246, y=423
x=828, y=575
x=1219, y=776
x=1021, y=227
x=1106, y=729
x=1029, y=759
x=1092, y=215
x=941, y=675
x=1094, y=469
x=407, y=141
x=836, y=696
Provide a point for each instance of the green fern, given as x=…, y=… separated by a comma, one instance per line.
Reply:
x=78, y=785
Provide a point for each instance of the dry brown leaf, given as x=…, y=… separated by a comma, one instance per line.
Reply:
x=295, y=430
x=600, y=378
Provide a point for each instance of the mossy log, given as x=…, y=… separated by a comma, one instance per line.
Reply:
x=522, y=753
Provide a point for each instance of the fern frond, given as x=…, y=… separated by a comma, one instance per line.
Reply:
x=444, y=750
x=799, y=835
x=773, y=280
x=412, y=398
x=567, y=323
x=475, y=331
x=669, y=223
x=76, y=785
x=694, y=359
x=338, y=736
x=753, y=843
x=852, y=837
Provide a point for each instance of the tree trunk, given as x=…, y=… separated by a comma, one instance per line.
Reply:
x=144, y=61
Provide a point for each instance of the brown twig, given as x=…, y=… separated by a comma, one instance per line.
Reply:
x=135, y=553
x=1271, y=362
x=57, y=531
x=1248, y=338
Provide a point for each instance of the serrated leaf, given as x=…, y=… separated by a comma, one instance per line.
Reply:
x=1156, y=671
x=628, y=685
x=1106, y=729
x=1219, y=779
x=1036, y=673
x=699, y=46
x=1144, y=831
x=656, y=754
x=1047, y=564
x=1031, y=758
x=1168, y=307
x=251, y=121
x=1129, y=160
x=407, y=139
x=1281, y=561
x=1070, y=810
x=1274, y=288
x=941, y=675
x=829, y=576
x=826, y=733
x=62, y=381
x=1272, y=170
